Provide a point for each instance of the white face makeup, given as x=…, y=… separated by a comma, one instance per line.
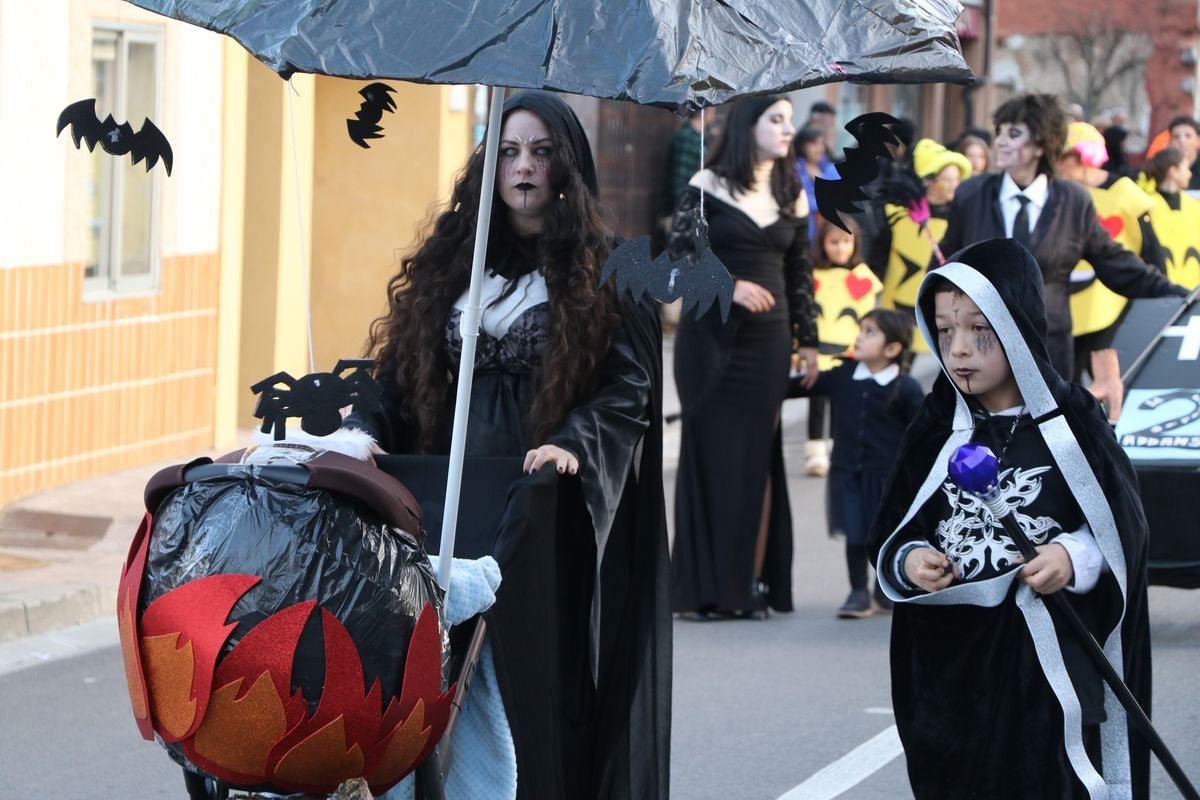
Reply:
x=523, y=172
x=773, y=131
x=1015, y=149
x=972, y=352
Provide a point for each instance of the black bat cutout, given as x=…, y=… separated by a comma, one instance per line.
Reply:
x=860, y=167
x=317, y=398
x=377, y=98
x=700, y=284
x=148, y=143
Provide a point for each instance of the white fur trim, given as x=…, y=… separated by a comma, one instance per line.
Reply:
x=348, y=441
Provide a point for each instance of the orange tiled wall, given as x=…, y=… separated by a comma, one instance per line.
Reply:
x=91, y=387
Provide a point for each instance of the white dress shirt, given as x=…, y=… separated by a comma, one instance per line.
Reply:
x=1037, y=192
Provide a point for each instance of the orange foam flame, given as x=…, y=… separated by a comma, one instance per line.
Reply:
x=241, y=722
x=182, y=633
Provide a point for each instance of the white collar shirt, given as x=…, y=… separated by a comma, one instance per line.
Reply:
x=1037, y=192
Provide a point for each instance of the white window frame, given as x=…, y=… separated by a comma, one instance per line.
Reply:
x=109, y=280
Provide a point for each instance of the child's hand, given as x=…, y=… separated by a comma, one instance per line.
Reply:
x=928, y=569
x=1050, y=571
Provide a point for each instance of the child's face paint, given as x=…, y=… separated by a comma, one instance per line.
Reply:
x=523, y=173
x=972, y=352
x=839, y=247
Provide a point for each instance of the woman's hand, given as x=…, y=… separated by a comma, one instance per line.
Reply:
x=563, y=461
x=752, y=297
x=804, y=361
x=928, y=569
x=1050, y=571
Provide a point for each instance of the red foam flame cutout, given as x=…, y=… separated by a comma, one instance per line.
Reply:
x=266, y=650
x=195, y=613
x=257, y=732
x=129, y=591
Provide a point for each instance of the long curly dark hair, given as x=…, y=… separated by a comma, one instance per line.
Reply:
x=408, y=339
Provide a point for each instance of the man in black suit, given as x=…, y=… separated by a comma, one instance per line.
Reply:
x=1053, y=218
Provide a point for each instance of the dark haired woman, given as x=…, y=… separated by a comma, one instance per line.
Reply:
x=733, y=529
x=1054, y=219
x=568, y=376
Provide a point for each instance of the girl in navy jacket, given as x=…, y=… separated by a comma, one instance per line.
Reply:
x=873, y=400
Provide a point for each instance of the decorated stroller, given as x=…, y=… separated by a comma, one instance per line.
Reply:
x=281, y=625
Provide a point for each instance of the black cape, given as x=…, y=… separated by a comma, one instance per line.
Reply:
x=581, y=628
x=977, y=645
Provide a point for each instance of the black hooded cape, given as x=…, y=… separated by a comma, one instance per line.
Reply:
x=982, y=678
x=581, y=628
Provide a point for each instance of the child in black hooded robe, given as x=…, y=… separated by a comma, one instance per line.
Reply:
x=991, y=700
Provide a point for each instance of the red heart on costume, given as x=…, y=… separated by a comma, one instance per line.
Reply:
x=858, y=287
x=816, y=285
x=1114, y=225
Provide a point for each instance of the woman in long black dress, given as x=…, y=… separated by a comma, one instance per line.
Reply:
x=568, y=375
x=733, y=528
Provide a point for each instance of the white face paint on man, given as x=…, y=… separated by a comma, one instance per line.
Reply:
x=1015, y=149
x=523, y=174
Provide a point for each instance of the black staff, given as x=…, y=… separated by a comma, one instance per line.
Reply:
x=974, y=469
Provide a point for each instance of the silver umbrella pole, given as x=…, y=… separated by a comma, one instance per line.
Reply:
x=469, y=325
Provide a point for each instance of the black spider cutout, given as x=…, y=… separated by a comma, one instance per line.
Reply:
x=317, y=399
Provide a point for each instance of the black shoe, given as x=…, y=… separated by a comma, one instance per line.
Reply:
x=857, y=605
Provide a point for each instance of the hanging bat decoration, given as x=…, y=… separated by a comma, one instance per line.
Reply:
x=687, y=269
x=377, y=98
x=148, y=143
x=317, y=399
x=861, y=166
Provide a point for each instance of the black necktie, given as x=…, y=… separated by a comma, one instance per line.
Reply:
x=1020, y=232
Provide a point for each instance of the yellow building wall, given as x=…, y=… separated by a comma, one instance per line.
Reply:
x=93, y=387
x=370, y=204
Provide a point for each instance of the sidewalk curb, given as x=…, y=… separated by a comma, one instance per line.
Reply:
x=41, y=609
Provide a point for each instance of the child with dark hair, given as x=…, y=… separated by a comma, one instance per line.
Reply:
x=845, y=289
x=991, y=700
x=874, y=398
x=1175, y=215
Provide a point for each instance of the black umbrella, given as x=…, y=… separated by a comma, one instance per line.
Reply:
x=674, y=53
x=653, y=52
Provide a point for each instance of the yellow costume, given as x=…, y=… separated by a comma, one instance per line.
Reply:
x=843, y=296
x=1179, y=234
x=912, y=248
x=910, y=254
x=1095, y=307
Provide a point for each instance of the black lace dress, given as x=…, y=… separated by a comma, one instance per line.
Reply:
x=581, y=628
x=732, y=381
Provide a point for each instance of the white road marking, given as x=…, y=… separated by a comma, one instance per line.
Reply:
x=849, y=770
x=41, y=648
x=878, y=710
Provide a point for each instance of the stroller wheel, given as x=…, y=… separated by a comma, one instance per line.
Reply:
x=202, y=787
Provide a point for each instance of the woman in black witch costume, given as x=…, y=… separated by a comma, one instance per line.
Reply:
x=567, y=375
x=733, y=528
x=991, y=701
